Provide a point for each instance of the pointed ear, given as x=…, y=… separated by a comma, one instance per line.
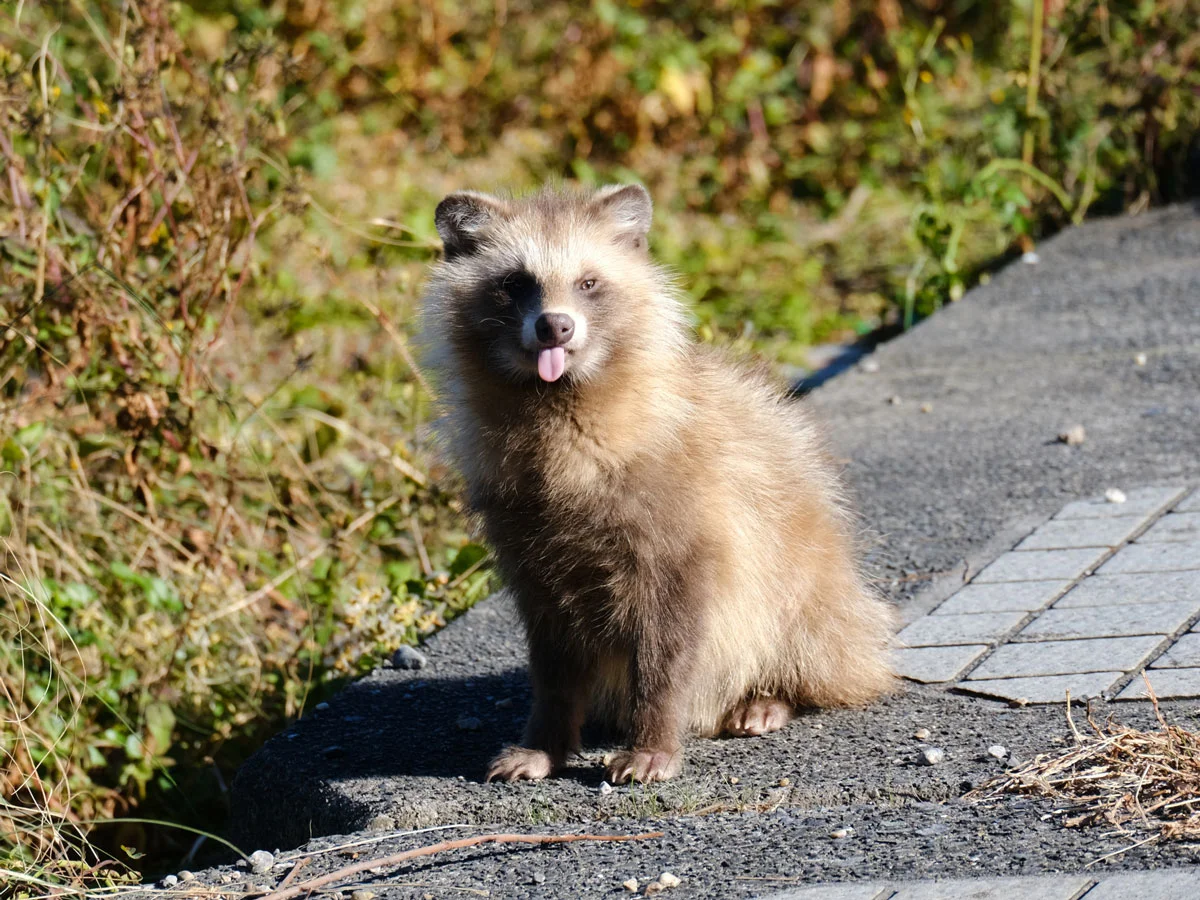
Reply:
x=462, y=216
x=629, y=207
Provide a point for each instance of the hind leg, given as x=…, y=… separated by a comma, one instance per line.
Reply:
x=756, y=715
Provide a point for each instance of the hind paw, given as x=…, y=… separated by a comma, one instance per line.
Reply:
x=755, y=716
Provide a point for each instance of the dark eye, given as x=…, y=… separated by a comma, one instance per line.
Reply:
x=587, y=284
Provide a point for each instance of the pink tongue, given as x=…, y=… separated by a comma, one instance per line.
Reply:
x=551, y=363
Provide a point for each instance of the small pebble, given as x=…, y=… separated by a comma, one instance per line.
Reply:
x=784, y=782
x=1030, y=258
x=1139, y=359
x=631, y=885
x=931, y=756
x=654, y=887
x=926, y=407
x=895, y=400
x=605, y=789
x=997, y=751
x=667, y=880
x=469, y=723
x=921, y=734
x=185, y=875
x=261, y=861
x=869, y=365
x=539, y=877
x=1114, y=495
x=321, y=707
x=407, y=657
x=733, y=779
x=362, y=895
x=840, y=833
x=1073, y=436
x=170, y=880
x=227, y=877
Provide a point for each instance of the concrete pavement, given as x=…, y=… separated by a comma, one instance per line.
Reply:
x=950, y=434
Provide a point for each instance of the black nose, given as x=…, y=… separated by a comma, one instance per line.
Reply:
x=554, y=329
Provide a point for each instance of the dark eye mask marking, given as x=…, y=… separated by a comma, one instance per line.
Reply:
x=522, y=289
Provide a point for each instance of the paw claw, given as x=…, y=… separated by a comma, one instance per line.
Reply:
x=757, y=715
x=520, y=764
x=645, y=765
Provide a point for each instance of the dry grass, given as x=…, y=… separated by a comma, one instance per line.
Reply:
x=216, y=495
x=1132, y=780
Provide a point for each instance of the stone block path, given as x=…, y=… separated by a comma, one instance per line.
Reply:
x=1105, y=589
x=1167, y=884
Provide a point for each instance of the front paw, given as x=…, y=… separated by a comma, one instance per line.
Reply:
x=520, y=764
x=645, y=765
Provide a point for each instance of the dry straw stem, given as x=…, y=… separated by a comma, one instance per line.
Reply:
x=1118, y=776
x=396, y=859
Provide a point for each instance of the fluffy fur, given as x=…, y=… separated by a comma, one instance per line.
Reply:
x=668, y=522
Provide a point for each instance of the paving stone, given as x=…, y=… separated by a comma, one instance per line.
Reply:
x=976, y=628
x=1124, y=590
x=1067, y=657
x=1167, y=684
x=1052, y=887
x=1060, y=534
x=1001, y=597
x=836, y=892
x=1109, y=621
x=1168, y=557
x=1042, y=565
x=1045, y=688
x=1183, y=654
x=1163, y=884
x=1178, y=526
x=1140, y=502
x=1190, y=503
x=933, y=665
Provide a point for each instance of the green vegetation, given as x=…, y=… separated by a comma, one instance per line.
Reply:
x=217, y=495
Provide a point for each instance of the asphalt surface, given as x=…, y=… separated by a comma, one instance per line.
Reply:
x=950, y=439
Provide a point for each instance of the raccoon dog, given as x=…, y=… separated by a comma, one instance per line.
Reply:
x=667, y=522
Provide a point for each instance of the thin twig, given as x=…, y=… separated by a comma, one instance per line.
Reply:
x=397, y=859
x=294, y=871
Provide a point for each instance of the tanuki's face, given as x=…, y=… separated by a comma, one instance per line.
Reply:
x=549, y=288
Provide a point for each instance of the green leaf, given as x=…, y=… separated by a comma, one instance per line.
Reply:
x=465, y=558
x=31, y=435
x=160, y=723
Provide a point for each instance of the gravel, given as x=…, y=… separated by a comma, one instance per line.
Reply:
x=407, y=657
x=1073, y=436
x=931, y=756
x=261, y=862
